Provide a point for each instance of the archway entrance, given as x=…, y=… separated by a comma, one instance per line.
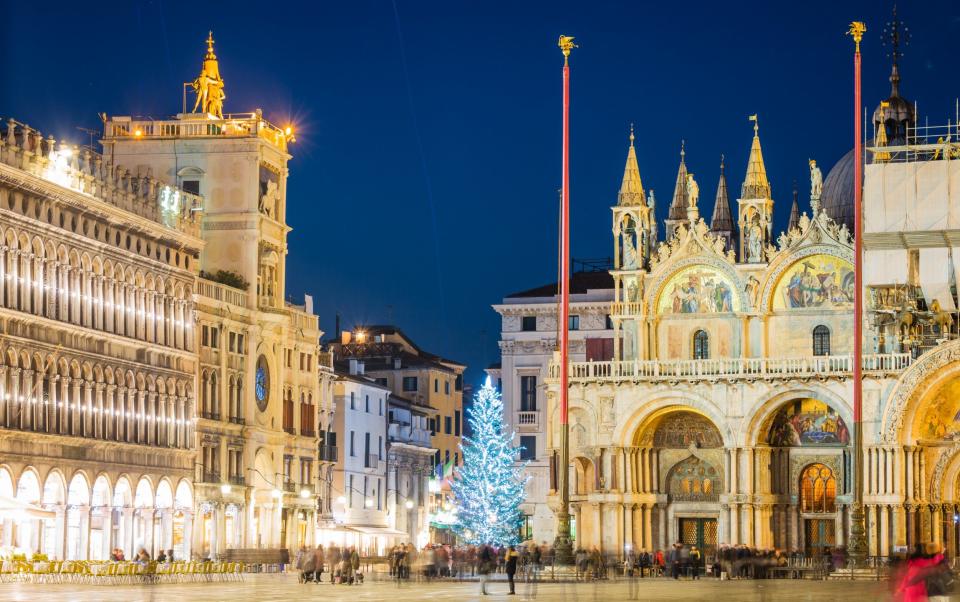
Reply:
x=818, y=493
x=686, y=452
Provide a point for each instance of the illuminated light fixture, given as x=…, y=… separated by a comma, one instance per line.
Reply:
x=409, y=505
x=341, y=500
x=368, y=503
x=225, y=488
x=276, y=493
x=304, y=493
x=288, y=130
x=138, y=132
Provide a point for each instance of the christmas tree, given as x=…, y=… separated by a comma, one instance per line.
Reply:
x=489, y=488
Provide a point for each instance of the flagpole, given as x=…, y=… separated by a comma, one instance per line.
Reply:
x=858, y=543
x=562, y=546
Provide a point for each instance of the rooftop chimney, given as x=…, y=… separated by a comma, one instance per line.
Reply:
x=353, y=366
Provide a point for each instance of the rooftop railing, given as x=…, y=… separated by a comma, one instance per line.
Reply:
x=86, y=172
x=233, y=125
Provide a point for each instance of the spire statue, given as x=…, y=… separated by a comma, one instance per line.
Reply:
x=209, y=85
x=816, y=186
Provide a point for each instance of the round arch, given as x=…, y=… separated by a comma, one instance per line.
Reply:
x=78, y=493
x=101, y=492
x=184, y=496
x=164, y=498
x=122, y=493
x=143, y=498
x=6, y=482
x=923, y=379
x=762, y=412
x=657, y=404
x=54, y=488
x=28, y=487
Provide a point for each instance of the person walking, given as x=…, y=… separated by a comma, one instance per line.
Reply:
x=510, y=566
x=695, y=558
x=318, y=562
x=487, y=562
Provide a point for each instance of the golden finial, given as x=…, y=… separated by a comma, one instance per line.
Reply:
x=631, y=134
x=756, y=125
x=857, y=29
x=566, y=45
x=210, y=54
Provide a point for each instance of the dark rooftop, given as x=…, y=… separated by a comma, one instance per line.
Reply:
x=580, y=283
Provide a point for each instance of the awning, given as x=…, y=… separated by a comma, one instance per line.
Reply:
x=378, y=531
x=12, y=508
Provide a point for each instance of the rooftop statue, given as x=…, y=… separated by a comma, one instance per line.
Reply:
x=209, y=85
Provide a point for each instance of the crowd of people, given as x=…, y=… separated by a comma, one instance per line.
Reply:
x=343, y=564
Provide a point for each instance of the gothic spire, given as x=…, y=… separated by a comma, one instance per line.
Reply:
x=678, y=206
x=631, y=189
x=755, y=185
x=794, y=210
x=721, y=222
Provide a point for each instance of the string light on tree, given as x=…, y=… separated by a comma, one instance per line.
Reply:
x=489, y=488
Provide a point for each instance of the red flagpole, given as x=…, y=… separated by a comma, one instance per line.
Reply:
x=563, y=548
x=858, y=543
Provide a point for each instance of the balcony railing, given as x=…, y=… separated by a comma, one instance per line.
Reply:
x=528, y=418
x=290, y=487
x=238, y=480
x=237, y=420
x=327, y=453
x=211, y=415
x=407, y=434
x=211, y=477
x=222, y=292
x=236, y=125
x=305, y=432
x=626, y=308
x=290, y=430
x=732, y=368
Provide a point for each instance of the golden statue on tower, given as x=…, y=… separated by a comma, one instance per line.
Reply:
x=209, y=85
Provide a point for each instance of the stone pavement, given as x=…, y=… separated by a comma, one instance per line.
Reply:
x=277, y=588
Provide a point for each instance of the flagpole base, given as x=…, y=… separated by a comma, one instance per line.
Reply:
x=562, y=544
x=857, y=547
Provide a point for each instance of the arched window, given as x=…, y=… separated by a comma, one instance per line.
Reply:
x=821, y=340
x=818, y=489
x=701, y=345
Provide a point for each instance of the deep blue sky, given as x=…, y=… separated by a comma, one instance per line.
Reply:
x=423, y=183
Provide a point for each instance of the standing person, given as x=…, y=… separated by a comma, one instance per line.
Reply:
x=308, y=564
x=354, y=565
x=695, y=558
x=510, y=566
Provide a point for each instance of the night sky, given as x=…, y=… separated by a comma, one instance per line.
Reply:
x=423, y=183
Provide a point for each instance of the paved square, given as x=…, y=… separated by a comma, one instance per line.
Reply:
x=276, y=588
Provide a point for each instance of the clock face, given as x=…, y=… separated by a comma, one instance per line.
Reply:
x=262, y=385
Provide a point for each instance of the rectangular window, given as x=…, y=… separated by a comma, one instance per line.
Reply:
x=528, y=393
x=446, y=459
x=458, y=384
x=381, y=407
x=599, y=350
x=456, y=423
x=529, y=445
x=456, y=458
x=352, y=450
x=205, y=335
x=366, y=404
x=573, y=322
x=352, y=401
x=287, y=461
x=448, y=425
x=410, y=383
x=381, y=381
x=366, y=449
x=433, y=425
x=214, y=338
x=436, y=385
x=446, y=387
x=609, y=322
x=350, y=492
x=379, y=506
x=232, y=342
x=191, y=186
x=380, y=447
x=529, y=324
x=240, y=348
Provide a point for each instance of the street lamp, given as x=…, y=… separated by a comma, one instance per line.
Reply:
x=304, y=493
x=341, y=500
x=225, y=488
x=368, y=503
x=409, y=505
x=276, y=493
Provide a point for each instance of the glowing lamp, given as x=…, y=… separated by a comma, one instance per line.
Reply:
x=276, y=493
x=225, y=488
x=341, y=500
x=288, y=130
x=368, y=503
x=138, y=132
x=409, y=505
x=304, y=493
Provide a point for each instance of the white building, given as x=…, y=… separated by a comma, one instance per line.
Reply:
x=410, y=458
x=358, y=513
x=528, y=340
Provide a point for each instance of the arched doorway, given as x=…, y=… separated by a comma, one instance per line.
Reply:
x=28, y=532
x=818, y=505
x=685, y=451
x=121, y=517
x=100, y=519
x=78, y=506
x=803, y=445
x=163, y=516
x=52, y=532
x=143, y=517
x=182, y=521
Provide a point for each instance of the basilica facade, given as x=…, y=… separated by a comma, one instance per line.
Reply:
x=725, y=412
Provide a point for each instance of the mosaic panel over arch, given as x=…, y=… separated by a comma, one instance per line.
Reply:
x=939, y=414
x=807, y=422
x=816, y=281
x=680, y=430
x=694, y=480
x=698, y=289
